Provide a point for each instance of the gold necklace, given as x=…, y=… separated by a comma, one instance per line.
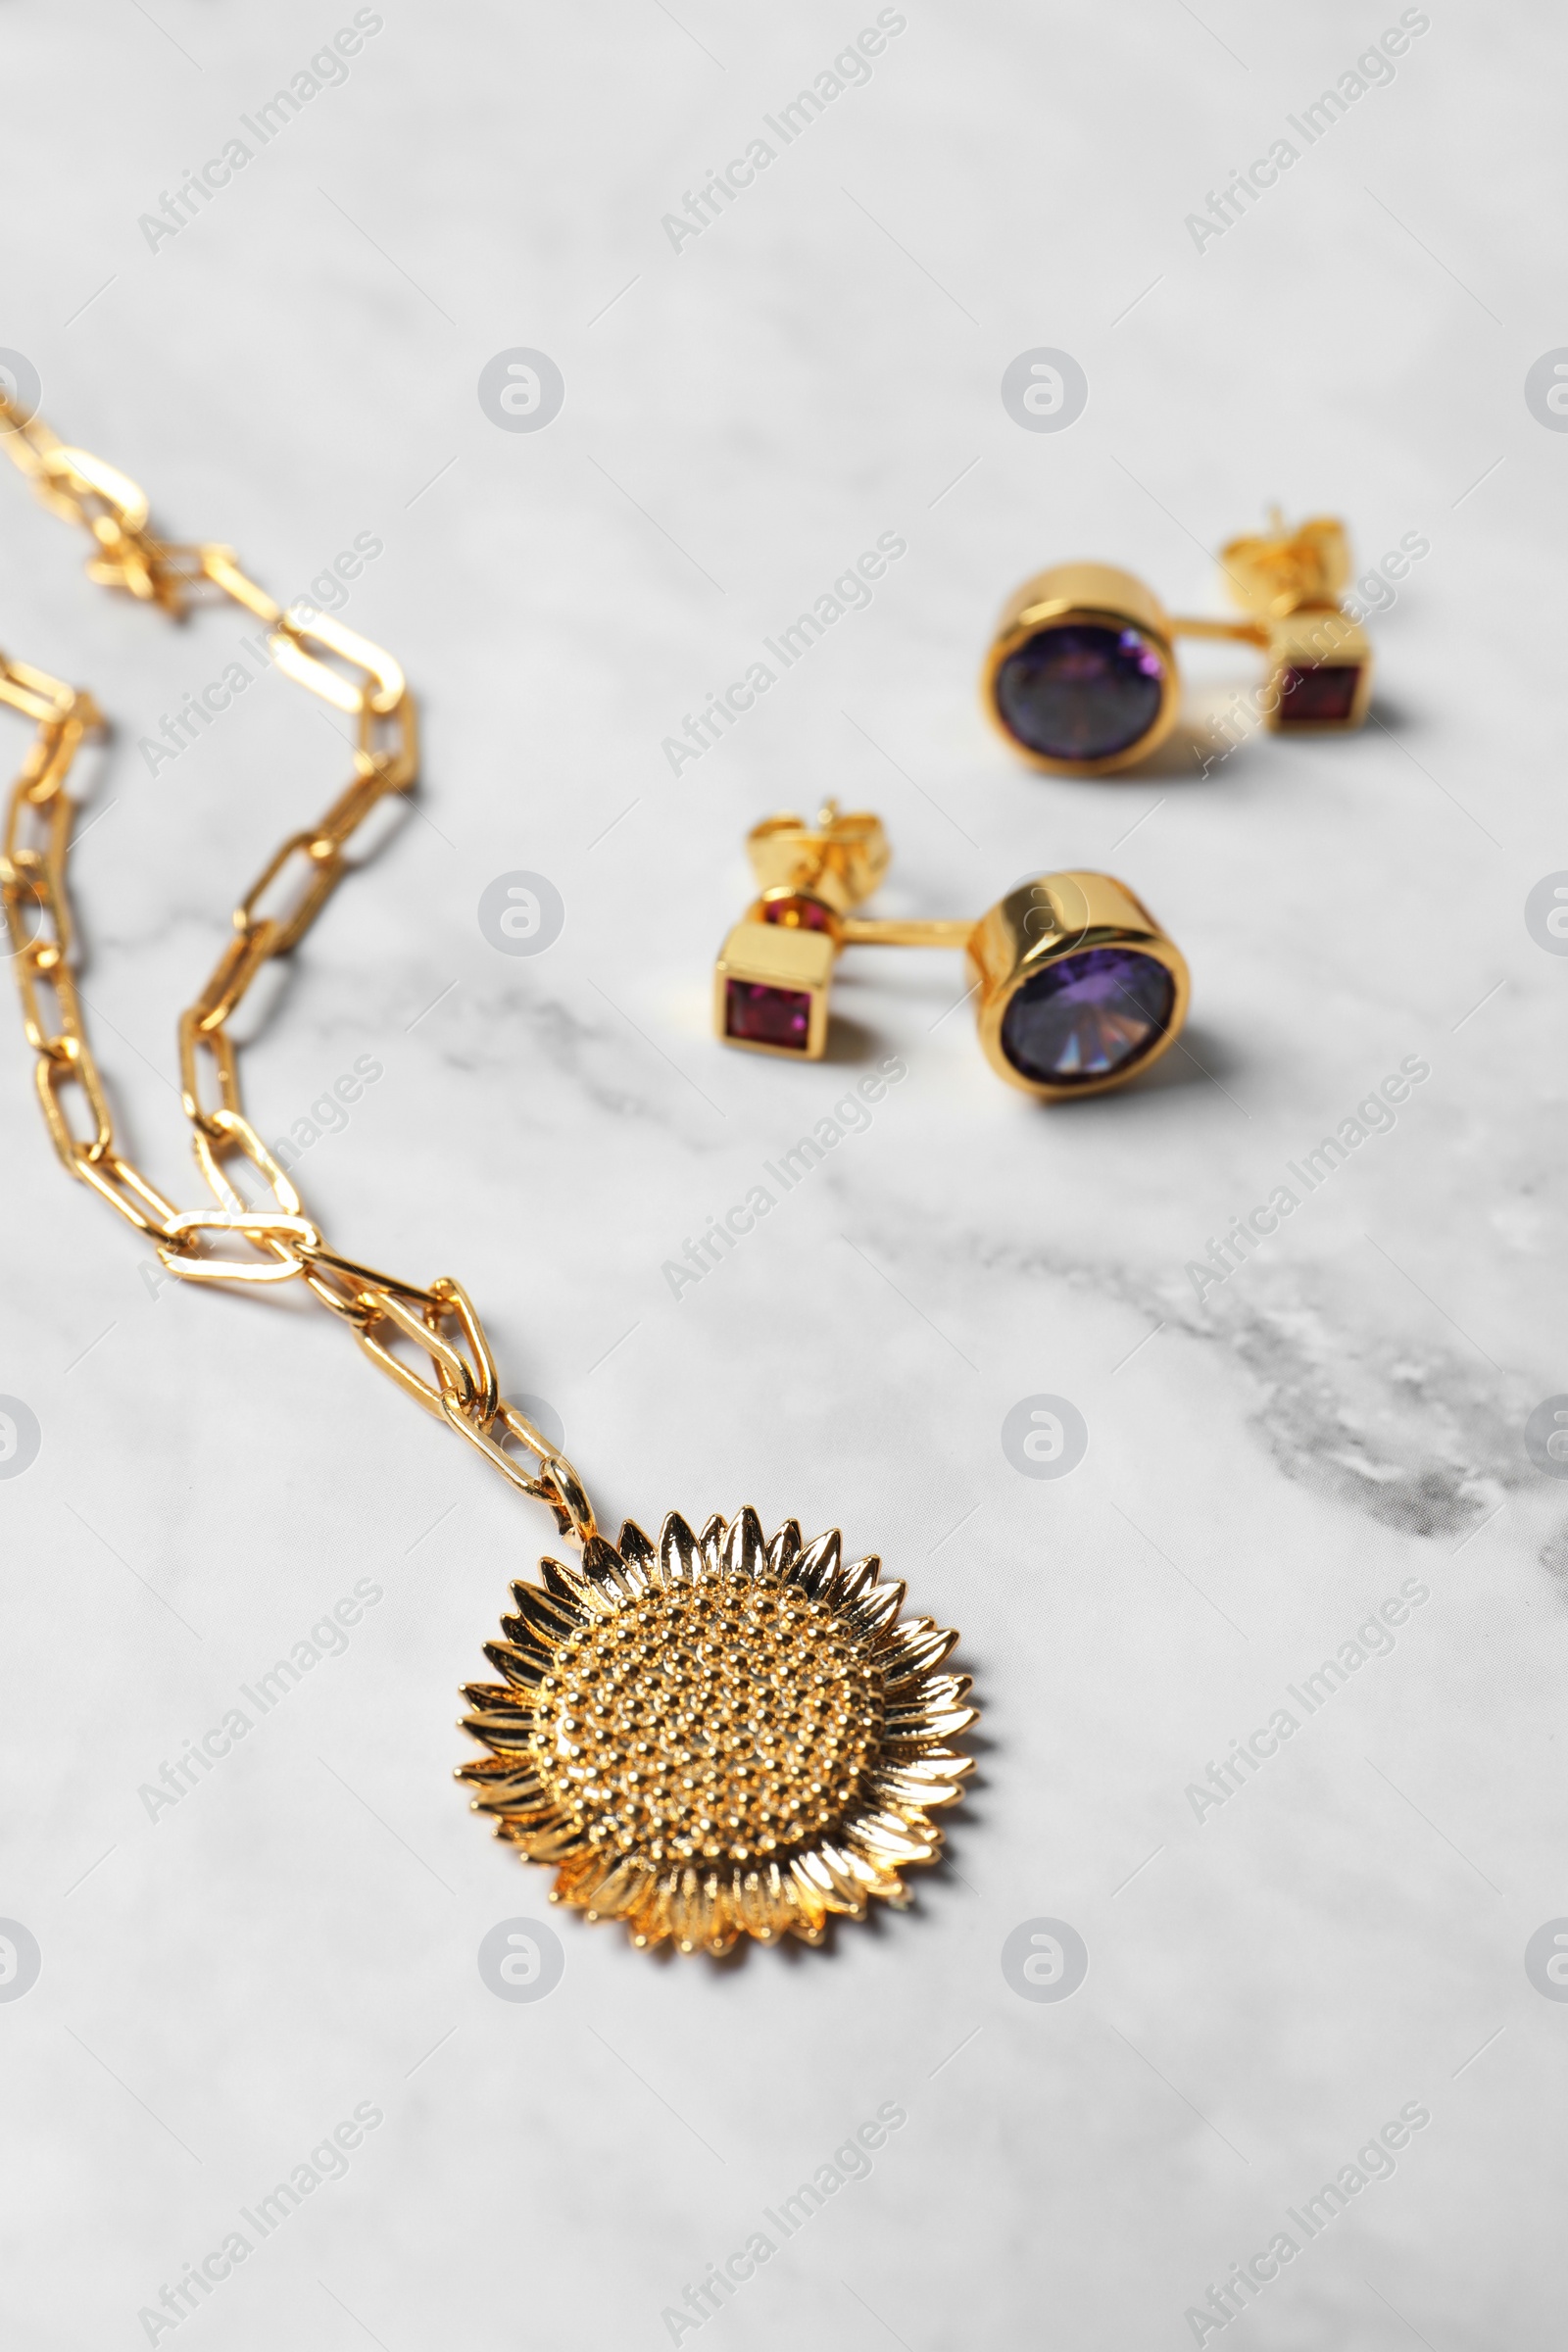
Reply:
x=715, y=1737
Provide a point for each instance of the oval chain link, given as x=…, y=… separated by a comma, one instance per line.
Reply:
x=235, y=1242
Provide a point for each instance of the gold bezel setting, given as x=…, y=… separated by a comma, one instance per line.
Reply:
x=1307, y=642
x=781, y=961
x=1044, y=922
x=1088, y=596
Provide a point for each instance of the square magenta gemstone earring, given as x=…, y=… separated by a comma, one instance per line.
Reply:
x=1077, y=988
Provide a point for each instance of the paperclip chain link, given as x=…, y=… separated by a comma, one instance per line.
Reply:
x=231, y=1242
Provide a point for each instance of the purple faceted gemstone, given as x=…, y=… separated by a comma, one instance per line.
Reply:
x=1087, y=1016
x=1081, y=692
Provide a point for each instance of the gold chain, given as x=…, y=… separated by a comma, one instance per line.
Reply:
x=232, y=1242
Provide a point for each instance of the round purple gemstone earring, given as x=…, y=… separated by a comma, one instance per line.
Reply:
x=1077, y=988
x=1081, y=677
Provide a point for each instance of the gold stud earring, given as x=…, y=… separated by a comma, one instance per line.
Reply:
x=1081, y=677
x=1077, y=987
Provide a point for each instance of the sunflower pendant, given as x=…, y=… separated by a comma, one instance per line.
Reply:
x=721, y=1737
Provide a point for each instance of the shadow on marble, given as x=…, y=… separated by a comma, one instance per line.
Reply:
x=1179, y=759
x=1200, y=1055
x=851, y=1042
x=1394, y=719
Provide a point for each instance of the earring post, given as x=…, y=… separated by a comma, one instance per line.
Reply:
x=887, y=931
x=1245, y=632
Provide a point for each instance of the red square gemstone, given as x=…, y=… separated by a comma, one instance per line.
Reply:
x=1323, y=697
x=767, y=1016
x=798, y=913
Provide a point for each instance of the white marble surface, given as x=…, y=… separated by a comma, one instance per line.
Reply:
x=222, y=1986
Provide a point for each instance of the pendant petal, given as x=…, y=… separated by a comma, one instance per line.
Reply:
x=818, y=1564
x=879, y=1609
x=856, y=1580
x=711, y=1544
x=522, y=1669
x=917, y=1731
x=677, y=1552
x=571, y=1586
x=603, y=1566
x=784, y=1550
x=744, y=1548
x=914, y=1649
x=549, y=1616
x=636, y=1550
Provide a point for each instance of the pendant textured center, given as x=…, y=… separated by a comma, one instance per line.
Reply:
x=710, y=1723
x=722, y=1737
